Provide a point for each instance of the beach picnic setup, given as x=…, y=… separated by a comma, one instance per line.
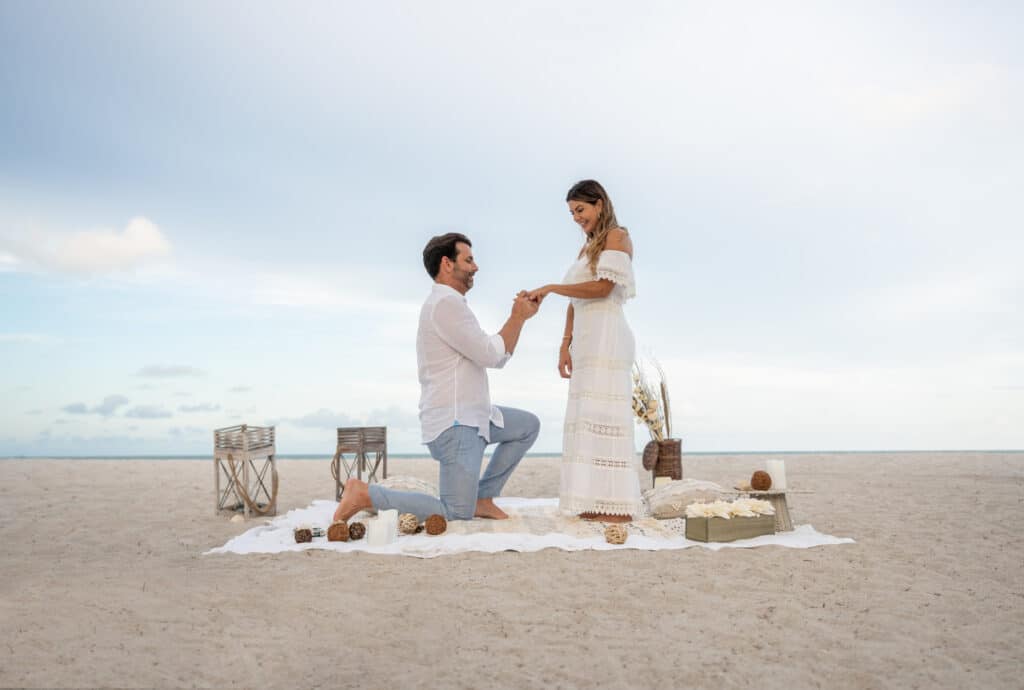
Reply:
x=678, y=513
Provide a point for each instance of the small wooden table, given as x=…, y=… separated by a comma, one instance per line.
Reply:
x=783, y=522
x=360, y=449
x=236, y=452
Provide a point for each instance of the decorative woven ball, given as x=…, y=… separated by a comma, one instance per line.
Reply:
x=338, y=531
x=407, y=523
x=356, y=531
x=303, y=535
x=615, y=534
x=650, y=456
x=436, y=524
x=760, y=481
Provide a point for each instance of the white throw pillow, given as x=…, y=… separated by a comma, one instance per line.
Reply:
x=400, y=483
x=670, y=500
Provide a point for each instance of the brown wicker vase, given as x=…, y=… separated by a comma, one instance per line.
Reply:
x=670, y=459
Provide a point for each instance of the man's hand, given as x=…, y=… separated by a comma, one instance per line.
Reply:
x=523, y=307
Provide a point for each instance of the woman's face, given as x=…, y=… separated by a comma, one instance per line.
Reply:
x=585, y=214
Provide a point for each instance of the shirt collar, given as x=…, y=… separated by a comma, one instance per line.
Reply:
x=448, y=290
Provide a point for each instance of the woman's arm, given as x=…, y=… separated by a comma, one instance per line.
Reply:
x=618, y=240
x=592, y=289
x=564, y=355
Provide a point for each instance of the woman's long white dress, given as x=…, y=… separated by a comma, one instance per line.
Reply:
x=599, y=466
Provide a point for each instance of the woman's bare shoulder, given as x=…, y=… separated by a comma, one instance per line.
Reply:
x=620, y=241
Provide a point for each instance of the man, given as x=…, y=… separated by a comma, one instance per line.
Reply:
x=456, y=415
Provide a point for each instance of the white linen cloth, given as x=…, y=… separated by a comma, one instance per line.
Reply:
x=534, y=524
x=599, y=472
x=453, y=353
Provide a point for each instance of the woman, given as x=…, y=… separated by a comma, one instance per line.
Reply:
x=599, y=477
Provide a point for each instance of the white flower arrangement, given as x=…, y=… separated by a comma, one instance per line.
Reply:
x=650, y=402
x=741, y=507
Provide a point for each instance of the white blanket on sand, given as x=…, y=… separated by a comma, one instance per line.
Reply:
x=533, y=524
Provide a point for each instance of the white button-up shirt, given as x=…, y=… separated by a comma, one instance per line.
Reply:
x=454, y=354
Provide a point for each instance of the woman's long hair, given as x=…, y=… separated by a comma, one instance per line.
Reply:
x=591, y=191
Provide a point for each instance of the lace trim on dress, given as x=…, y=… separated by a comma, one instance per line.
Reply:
x=617, y=267
x=610, y=430
x=613, y=275
x=604, y=463
x=605, y=397
x=603, y=363
x=583, y=504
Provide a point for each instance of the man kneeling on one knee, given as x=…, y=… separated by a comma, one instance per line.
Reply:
x=456, y=415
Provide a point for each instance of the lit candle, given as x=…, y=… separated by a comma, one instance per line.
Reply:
x=777, y=470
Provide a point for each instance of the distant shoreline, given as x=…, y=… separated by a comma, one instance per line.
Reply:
x=306, y=456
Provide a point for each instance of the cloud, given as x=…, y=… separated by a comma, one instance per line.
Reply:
x=322, y=419
x=392, y=417
x=169, y=372
x=8, y=262
x=105, y=409
x=202, y=407
x=28, y=338
x=148, y=412
x=110, y=405
x=90, y=251
x=178, y=432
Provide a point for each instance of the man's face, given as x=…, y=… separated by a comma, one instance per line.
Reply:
x=463, y=268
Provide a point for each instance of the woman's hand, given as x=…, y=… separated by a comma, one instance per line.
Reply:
x=540, y=293
x=565, y=362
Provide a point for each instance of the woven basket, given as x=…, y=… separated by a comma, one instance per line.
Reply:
x=670, y=459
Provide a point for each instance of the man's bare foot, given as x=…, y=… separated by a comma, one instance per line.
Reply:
x=485, y=508
x=602, y=517
x=356, y=497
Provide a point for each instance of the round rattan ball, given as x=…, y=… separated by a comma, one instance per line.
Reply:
x=338, y=531
x=356, y=531
x=650, y=456
x=760, y=481
x=303, y=535
x=407, y=523
x=436, y=524
x=615, y=534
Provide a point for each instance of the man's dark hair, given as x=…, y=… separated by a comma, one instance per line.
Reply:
x=439, y=247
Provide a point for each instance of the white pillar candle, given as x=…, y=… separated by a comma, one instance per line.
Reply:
x=390, y=518
x=377, y=532
x=777, y=470
x=661, y=481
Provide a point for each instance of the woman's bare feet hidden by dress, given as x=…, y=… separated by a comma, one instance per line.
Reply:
x=356, y=497
x=485, y=508
x=601, y=517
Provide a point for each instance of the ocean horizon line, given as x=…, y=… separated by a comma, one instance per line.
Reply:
x=540, y=454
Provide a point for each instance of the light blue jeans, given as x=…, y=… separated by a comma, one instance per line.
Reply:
x=460, y=451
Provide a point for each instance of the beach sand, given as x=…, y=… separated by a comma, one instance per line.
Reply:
x=103, y=583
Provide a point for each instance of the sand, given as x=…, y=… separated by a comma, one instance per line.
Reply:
x=103, y=583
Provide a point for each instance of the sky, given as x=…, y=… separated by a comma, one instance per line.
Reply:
x=213, y=214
